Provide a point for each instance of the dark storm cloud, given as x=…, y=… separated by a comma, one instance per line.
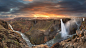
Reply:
x=4, y=8
x=6, y=5
x=65, y=6
x=62, y=7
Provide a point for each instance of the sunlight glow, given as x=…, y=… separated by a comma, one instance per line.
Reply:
x=47, y=15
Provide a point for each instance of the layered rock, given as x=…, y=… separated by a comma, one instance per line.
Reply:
x=10, y=39
x=4, y=24
x=77, y=41
x=83, y=26
x=38, y=31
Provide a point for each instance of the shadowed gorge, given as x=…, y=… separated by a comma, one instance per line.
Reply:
x=38, y=31
x=42, y=23
x=41, y=33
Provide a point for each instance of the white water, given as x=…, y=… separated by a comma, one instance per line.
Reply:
x=63, y=30
x=23, y=36
x=83, y=19
x=63, y=34
x=73, y=23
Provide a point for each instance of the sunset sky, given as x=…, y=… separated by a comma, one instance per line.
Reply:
x=41, y=8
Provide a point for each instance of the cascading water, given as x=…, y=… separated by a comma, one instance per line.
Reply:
x=83, y=19
x=23, y=36
x=63, y=30
x=61, y=36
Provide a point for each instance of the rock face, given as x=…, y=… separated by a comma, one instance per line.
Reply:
x=73, y=25
x=77, y=41
x=56, y=45
x=10, y=39
x=4, y=24
x=38, y=31
x=83, y=26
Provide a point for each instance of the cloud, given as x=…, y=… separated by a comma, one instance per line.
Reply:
x=30, y=7
x=62, y=7
x=4, y=8
x=28, y=0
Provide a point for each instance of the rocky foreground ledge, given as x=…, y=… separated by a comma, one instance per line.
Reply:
x=77, y=41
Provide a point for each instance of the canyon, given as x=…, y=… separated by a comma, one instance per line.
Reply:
x=39, y=32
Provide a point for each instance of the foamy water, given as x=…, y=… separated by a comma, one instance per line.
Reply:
x=23, y=36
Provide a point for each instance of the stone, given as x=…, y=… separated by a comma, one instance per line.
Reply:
x=74, y=36
x=82, y=39
x=40, y=46
x=78, y=39
x=74, y=40
x=56, y=45
x=80, y=33
x=68, y=40
x=84, y=32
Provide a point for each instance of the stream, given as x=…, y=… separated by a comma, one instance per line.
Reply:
x=61, y=35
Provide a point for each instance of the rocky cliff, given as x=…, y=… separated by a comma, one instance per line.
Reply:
x=77, y=41
x=38, y=31
x=10, y=39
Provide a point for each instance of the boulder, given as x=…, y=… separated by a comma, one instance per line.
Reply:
x=80, y=33
x=56, y=45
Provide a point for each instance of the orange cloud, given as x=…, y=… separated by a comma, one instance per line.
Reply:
x=47, y=15
x=28, y=0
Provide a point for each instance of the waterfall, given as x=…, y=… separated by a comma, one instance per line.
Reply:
x=23, y=36
x=83, y=19
x=61, y=36
x=63, y=30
